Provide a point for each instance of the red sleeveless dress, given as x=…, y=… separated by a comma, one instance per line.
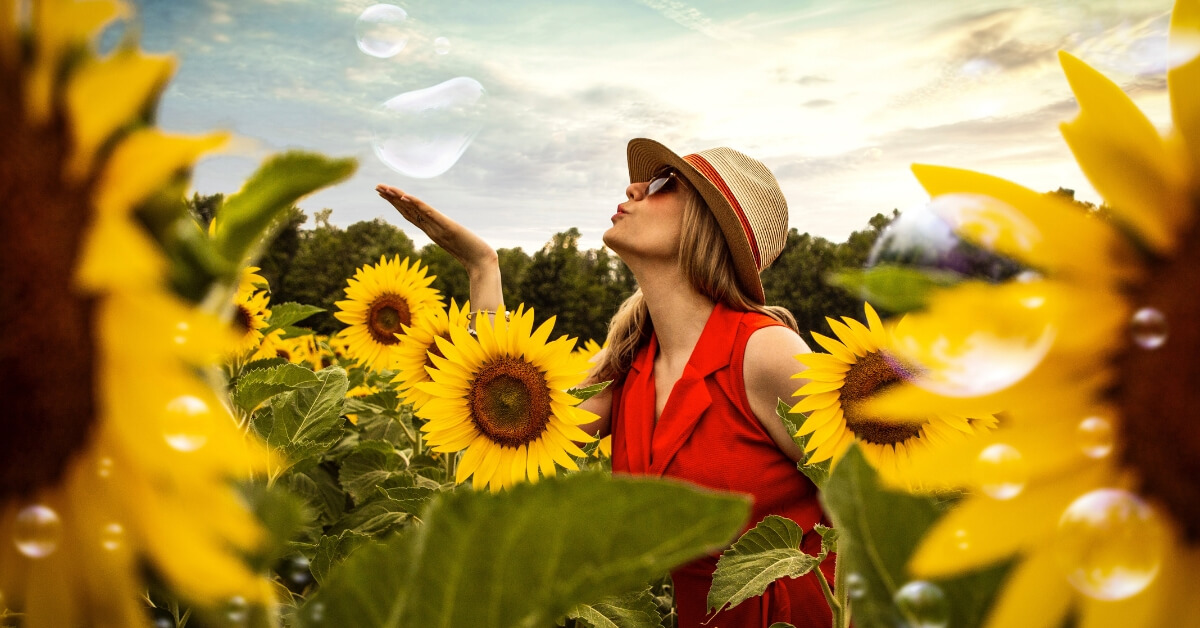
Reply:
x=708, y=435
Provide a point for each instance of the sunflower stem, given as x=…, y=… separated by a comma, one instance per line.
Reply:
x=834, y=605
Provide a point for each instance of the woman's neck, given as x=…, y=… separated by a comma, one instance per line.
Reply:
x=679, y=312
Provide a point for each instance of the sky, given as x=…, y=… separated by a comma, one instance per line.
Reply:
x=837, y=98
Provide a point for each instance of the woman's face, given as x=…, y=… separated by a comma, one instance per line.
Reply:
x=649, y=224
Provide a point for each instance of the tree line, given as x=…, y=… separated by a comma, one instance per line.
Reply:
x=581, y=287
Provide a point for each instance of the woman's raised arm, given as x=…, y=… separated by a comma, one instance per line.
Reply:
x=477, y=256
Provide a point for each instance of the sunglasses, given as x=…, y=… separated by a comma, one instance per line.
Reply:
x=662, y=182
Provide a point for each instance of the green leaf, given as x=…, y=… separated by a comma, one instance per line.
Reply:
x=332, y=550
x=526, y=556
x=878, y=531
x=817, y=473
x=371, y=464
x=896, y=289
x=281, y=513
x=320, y=491
x=377, y=517
x=765, y=553
x=257, y=386
x=244, y=218
x=631, y=610
x=307, y=421
x=285, y=315
x=264, y=363
x=587, y=392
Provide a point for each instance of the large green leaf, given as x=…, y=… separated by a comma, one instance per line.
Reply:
x=631, y=610
x=587, y=392
x=320, y=491
x=244, y=218
x=765, y=553
x=307, y=421
x=526, y=556
x=255, y=387
x=878, y=531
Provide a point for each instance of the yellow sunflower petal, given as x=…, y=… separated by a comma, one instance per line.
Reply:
x=817, y=401
x=1124, y=157
x=1185, y=75
x=835, y=348
x=98, y=110
x=1035, y=595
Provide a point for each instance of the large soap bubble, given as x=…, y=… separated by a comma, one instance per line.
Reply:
x=422, y=133
x=380, y=30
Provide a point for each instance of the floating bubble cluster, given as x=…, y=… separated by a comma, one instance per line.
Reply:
x=923, y=605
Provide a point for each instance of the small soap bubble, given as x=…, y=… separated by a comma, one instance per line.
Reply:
x=1000, y=471
x=182, y=329
x=296, y=573
x=962, y=540
x=316, y=612
x=1110, y=544
x=1148, y=327
x=423, y=133
x=162, y=618
x=441, y=45
x=856, y=586
x=1095, y=437
x=37, y=531
x=923, y=605
x=187, y=422
x=112, y=536
x=380, y=30
x=104, y=467
x=237, y=611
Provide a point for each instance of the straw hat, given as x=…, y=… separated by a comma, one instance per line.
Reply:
x=741, y=192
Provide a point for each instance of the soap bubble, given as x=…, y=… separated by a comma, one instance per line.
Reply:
x=423, y=133
x=1110, y=544
x=441, y=45
x=380, y=30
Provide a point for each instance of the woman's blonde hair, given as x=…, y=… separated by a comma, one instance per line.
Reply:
x=707, y=263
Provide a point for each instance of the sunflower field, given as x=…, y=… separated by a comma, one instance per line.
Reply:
x=1010, y=448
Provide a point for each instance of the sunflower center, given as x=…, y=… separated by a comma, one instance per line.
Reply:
x=388, y=312
x=243, y=322
x=1159, y=388
x=509, y=401
x=867, y=377
x=47, y=348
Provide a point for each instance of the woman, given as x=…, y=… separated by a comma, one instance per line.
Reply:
x=697, y=359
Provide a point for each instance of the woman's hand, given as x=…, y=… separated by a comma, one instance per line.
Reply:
x=463, y=244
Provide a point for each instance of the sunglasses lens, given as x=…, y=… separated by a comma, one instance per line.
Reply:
x=658, y=184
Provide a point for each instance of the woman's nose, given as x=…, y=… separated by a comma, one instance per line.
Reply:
x=634, y=191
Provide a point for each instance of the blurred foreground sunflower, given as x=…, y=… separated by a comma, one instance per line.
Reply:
x=502, y=397
x=116, y=459
x=417, y=346
x=380, y=301
x=1103, y=453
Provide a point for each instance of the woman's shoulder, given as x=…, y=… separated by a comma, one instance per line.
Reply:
x=771, y=351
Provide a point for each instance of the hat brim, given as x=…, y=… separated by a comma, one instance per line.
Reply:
x=647, y=156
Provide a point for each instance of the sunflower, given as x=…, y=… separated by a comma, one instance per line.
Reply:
x=501, y=396
x=380, y=301
x=1107, y=527
x=117, y=458
x=297, y=349
x=250, y=311
x=856, y=369
x=589, y=351
x=417, y=346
